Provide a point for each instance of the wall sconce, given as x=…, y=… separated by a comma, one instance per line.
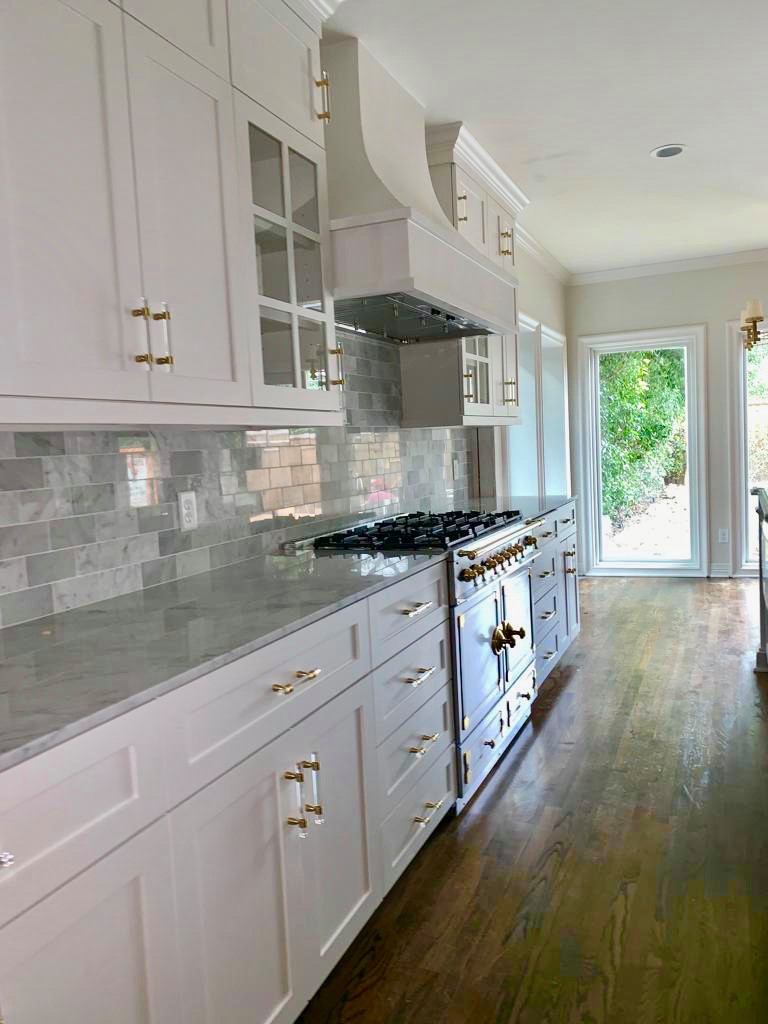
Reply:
x=751, y=316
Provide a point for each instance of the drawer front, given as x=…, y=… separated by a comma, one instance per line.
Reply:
x=415, y=818
x=544, y=529
x=405, y=611
x=550, y=650
x=481, y=750
x=544, y=571
x=412, y=748
x=63, y=809
x=566, y=519
x=516, y=604
x=219, y=720
x=520, y=698
x=409, y=679
x=481, y=681
x=547, y=612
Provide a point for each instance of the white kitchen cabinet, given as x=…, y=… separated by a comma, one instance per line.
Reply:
x=284, y=213
x=343, y=868
x=183, y=131
x=266, y=906
x=69, y=254
x=470, y=206
x=501, y=235
x=465, y=382
x=240, y=893
x=101, y=948
x=276, y=61
x=568, y=554
x=198, y=27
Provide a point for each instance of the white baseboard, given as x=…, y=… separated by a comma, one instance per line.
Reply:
x=719, y=570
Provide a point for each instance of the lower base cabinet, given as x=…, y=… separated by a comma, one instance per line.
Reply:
x=276, y=868
x=102, y=948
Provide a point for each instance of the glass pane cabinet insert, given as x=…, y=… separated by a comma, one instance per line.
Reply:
x=295, y=313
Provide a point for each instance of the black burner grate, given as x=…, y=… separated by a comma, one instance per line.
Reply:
x=417, y=531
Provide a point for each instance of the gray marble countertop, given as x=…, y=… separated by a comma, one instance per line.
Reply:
x=65, y=674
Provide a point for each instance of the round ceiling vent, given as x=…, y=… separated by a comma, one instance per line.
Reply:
x=671, y=149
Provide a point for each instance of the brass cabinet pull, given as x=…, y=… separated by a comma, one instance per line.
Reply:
x=524, y=696
x=145, y=357
x=294, y=776
x=571, y=572
x=549, y=655
x=566, y=521
x=489, y=743
x=422, y=822
x=418, y=608
x=468, y=376
x=338, y=382
x=164, y=315
x=570, y=554
x=547, y=572
x=547, y=534
x=418, y=751
x=462, y=199
x=142, y=311
x=284, y=688
x=313, y=808
x=324, y=83
x=421, y=675
x=298, y=822
x=430, y=737
x=434, y=805
x=547, y=615
x=165, y=361
x=313, y=766
x=309, y=674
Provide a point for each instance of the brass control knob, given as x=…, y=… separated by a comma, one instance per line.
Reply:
x=468, y=574
x=531, y=541
x=518, y=549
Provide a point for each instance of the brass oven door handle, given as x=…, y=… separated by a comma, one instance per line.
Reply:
x=418, y=608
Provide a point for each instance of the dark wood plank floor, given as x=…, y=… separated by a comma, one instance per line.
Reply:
x=615, y=867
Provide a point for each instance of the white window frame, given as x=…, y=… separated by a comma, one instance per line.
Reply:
x=742, y=505
x=693, y=339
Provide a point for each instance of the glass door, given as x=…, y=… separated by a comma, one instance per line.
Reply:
x=478, y=397
x=754, y=383
x=291, y=307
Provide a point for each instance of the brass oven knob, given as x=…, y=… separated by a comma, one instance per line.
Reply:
x=531, y=541
x=468, y=574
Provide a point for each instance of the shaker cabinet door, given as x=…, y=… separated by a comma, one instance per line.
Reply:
x=506, y=379
x=342, y=852
x=69, y=258
x=183, y=130
x=102, y=948
x=471, y=210
x=239, y=889
x=198, y=27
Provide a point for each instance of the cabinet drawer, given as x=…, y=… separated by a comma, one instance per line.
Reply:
x=544, y=572
x=550, y=650
x=566, y=519
x=405, y=611
x=65, y=808
x=403, y=834
x=547, y=612
x=414, y=747
x=544, y=528
x=219, y=720
x=520, y=698
x=406, y=681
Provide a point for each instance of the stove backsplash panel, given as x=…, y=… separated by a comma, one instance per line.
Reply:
x=88, y=515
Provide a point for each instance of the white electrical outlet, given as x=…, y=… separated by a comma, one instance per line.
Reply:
x=723, y=536
x=187, y=510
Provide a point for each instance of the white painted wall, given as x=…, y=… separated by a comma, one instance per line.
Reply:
x=710, y=297
x=541, y=296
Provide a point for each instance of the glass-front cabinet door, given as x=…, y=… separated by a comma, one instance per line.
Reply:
x=295, y=360
x=477, y=376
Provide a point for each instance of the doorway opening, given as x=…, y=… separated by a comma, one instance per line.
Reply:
x=645, y=446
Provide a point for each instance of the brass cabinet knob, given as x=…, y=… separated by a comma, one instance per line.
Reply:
x=284, y=688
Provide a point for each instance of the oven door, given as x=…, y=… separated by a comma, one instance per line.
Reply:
x=516, y=607
x=480, y=672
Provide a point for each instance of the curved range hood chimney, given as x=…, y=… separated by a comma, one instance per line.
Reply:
x=401, y=270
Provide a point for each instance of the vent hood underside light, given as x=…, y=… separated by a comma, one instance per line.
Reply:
x=403, y=318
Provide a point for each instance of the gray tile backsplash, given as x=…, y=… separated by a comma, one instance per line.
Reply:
x=86, y=515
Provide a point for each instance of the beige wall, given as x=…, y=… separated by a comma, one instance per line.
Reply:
x=710, y=297
x=540, y=296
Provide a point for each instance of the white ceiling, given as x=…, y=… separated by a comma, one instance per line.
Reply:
x=569, y=96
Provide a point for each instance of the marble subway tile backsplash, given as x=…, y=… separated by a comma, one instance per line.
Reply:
x=87, y=515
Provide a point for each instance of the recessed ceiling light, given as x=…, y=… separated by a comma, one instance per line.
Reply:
x=671, y=149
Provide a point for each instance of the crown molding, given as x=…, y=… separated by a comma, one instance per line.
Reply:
x=454, y=143
x=315, y=12
x=525, y=240
x=671, y=267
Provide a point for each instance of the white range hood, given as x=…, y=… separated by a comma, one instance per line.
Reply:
x=401, y=270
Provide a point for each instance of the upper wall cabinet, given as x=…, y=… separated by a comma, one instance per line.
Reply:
x=276, y=61
x=294, y=357
x=198, y=27
x=186, y=178
x=478, y=197
x=69, y=253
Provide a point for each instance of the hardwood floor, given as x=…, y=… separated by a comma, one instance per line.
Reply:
x=615, y=867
